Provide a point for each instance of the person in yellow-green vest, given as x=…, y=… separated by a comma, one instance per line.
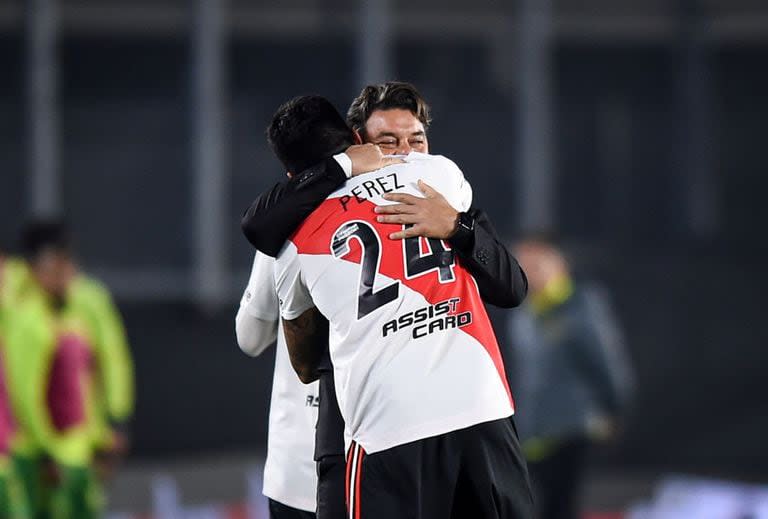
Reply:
x=70, y=378
x=13, y=502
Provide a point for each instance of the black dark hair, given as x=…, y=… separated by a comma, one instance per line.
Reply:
x=41, y=235
x=387, y=96
x=306, y=130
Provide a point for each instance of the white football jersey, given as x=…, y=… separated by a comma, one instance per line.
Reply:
x=413, y=350
x=289, y=472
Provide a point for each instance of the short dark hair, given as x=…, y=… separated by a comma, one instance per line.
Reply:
x=41, y=235
x=306, y=130
x=387, y=96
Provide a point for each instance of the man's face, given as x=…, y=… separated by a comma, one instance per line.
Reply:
x=540, y=264
x=396, y=132
x=54, y=271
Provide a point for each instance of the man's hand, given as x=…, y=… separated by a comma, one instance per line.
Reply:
x=109, y=457
x=368, y=157
x=431, y=216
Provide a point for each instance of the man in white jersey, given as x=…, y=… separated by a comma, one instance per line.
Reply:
x=419, y=376
x=290, y=482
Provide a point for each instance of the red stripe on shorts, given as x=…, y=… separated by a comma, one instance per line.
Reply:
x=358, y=477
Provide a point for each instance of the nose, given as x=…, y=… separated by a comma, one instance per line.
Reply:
x=404, y=148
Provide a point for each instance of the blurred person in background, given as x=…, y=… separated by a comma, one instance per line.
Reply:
x=393, y=118
x=572, y=376
x=70, y=379
x=14, y=276
x=13, y=502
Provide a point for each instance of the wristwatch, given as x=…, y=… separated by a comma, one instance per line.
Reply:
x=465, y=228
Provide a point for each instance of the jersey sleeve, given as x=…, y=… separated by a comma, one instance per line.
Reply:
x=260, y=299
x=14, y=276
x=292, y=292
x=256, y=319
x=113, y=353
x=27, y=362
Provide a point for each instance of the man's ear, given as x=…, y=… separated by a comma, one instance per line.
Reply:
x=289, y=174
x=358, y=139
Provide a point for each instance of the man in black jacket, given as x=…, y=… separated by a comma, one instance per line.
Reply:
x=393, y=119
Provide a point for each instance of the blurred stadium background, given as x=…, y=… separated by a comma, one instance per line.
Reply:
x=634, y=128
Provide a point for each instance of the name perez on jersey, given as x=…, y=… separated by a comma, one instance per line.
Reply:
x=441, y=316
x=376, y=187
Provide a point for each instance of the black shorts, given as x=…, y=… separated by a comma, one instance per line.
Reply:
x=329, y=448
x=330, y=487
x=473, y=473
x=278, y=510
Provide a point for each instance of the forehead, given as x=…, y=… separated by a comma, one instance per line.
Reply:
x=396, y=121
x=531, y=248
x=52, y=258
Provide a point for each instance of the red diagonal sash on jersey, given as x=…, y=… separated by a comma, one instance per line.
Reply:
x=316, y=232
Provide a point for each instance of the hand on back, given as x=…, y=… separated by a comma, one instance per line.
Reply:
x=369, y=157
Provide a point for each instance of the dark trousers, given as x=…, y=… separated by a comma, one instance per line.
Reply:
x=557, y=480
x=280, y=511
x=330, y=487
x=477, y=472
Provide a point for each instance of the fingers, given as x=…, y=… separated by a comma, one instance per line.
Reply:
x=429, y=191
x=396, y=209
x=366, y=146
x=410, y=232
x=366, y=158
x=389, y=161
x=405, y=219
x=403, y=198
